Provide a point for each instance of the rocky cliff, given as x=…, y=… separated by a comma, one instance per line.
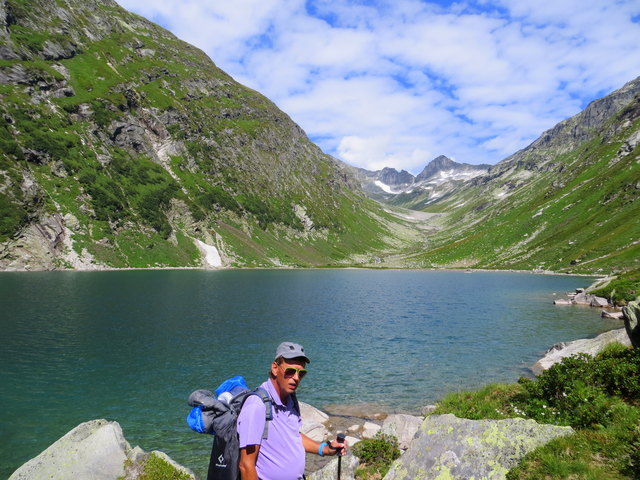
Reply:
x=123, y=146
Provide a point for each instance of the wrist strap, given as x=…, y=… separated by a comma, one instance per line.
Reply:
x=322, y=445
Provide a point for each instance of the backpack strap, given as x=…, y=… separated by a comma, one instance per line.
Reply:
x=262, y=393
x=296, y=404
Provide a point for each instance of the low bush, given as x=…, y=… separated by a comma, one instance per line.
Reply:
x=376, y=455
x=581, y=390
x=12, y=217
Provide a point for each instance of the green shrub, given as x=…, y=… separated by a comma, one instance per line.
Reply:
x=215, y=195
x=102, y=114
x=623, y=289
x=55, y=143
x=633, y=452
x=581, y=390
x=157, y=468
x=376, y=455
x=12, y=217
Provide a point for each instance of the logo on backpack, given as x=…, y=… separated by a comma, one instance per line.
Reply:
x=221, y=463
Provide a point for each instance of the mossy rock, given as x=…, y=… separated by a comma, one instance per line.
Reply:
x=451, y=448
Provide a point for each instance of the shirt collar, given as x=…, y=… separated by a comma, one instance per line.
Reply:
x=271, y=390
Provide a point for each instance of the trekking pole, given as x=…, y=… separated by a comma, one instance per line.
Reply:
x=340, y=439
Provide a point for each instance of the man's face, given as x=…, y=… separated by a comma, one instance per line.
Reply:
x=288, y=376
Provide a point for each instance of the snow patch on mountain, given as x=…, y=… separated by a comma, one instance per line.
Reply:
x=438, y=178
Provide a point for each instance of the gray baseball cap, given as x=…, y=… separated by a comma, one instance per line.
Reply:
x=291, y=350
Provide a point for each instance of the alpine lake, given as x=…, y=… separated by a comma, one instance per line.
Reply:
x=130, y=346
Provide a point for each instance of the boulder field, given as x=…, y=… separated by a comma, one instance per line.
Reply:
x=436, y=445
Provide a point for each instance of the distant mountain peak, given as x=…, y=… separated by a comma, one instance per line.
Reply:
x=440, y=175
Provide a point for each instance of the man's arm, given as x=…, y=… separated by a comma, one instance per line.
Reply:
x=312, y=446
x=248, y=459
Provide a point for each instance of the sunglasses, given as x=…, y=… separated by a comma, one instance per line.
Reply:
x=291, y=371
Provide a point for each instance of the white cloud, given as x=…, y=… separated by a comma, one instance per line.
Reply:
x=398, y=83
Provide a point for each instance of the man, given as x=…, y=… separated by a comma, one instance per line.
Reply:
x=281, y=456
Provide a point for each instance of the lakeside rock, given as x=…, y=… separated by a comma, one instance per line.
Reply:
x=314, y=422
x=458, y=449
x=591, y=346
x=403, y=427
x=581, y=297
x=348, y=466
x=631, y=314
x=97, y=450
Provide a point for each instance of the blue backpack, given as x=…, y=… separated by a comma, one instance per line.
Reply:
x=207, y=406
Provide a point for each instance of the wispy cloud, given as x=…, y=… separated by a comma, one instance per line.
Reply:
x=397, y=83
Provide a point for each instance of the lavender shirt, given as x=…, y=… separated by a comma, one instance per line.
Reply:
x=281, y=455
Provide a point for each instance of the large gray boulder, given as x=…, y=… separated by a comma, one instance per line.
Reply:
x=95, y=450
x=314, y=422
x=631, y=315
x=403, y=427
x=348, y=466
x=590, y=346
x=459, y=449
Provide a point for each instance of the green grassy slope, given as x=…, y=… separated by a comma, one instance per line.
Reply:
x=576, y=211
x=136, y=143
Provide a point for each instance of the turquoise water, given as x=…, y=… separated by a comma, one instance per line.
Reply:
x=130, y=346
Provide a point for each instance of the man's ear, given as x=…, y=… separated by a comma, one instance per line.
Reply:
x=274, y=368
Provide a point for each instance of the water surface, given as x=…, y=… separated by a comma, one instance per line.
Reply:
x=130, y=346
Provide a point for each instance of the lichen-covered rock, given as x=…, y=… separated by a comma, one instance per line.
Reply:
x=447, y=447
x=95, y=450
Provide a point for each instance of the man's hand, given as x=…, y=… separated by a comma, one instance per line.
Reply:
x=338, y=446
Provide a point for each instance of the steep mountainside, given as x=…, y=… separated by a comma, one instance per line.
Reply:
x=438, y=178
x=568, y=202
x=123, y=146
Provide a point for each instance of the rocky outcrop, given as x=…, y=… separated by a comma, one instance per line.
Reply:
x=632, y=322
x=590, y=346
x=348, y=465
x=443, y=444
x=314, y=422
x=447, y=447
x=97, y=450
x=403, y=427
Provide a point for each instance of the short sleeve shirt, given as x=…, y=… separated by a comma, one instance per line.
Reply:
x=281, y=455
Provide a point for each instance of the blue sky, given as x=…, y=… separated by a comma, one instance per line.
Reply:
x=396, y=83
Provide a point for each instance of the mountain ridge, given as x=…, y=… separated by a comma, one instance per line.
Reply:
x=439, y=177
x=124, y=147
